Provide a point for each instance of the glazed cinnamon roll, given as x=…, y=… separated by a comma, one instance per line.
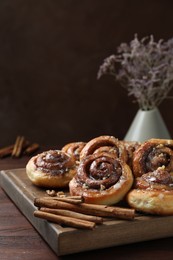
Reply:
x=53, y=169
x=153, y=192
x=152, y=154
x=102, y=179
x=108, y=144
x=74, y=149
x=131, y=147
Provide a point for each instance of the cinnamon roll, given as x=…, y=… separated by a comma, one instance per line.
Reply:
x=53, y=169
x=102, y=179
x=152, y=154
x=74, y=149
x=153, y=192
x=106, y=144
x=131, y=147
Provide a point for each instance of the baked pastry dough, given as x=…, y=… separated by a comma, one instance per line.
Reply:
x=53, y=169
x=102, y=179
x=74, y=149
x=106, y=144
x=153, y=170
x=152, y=154
x=153, y=193
x=131, y=147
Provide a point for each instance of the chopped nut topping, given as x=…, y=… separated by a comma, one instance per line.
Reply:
x=51, y=193
x=85, y=186
x=60, y=194
x=102, y=187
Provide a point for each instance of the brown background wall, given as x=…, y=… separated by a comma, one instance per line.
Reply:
x=50, y=53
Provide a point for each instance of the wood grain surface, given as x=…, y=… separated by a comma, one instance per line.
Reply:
x=64, y=240
x=19, y=239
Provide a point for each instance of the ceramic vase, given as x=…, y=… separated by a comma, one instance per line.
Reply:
x=147, y=124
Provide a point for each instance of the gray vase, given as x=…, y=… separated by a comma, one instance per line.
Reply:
x=146, y=125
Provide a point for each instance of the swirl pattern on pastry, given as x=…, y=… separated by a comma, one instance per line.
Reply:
x=102, y=179
x=153, y=186
x=159, y=179
x=153, y=193
x=52, y=168
x=108, y=144
x=152, y=154
x=74, y=149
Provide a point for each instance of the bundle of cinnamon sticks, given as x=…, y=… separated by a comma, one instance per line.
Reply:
x=74, y=212
x=20, y=146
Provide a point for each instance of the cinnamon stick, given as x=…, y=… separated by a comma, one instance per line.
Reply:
x=18, y=146
x=112, y=211
x=73, y=214
x=31, y=148
x=63, y=220
x=90, y=209
x=72, y=200
x=5, y=151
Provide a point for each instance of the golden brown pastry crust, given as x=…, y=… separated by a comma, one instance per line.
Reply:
x=52, y=169
x=104, y=143
x=151, y=201
x=153, y=192
x=102, y=179
x=131, y=147
x=152, y=154
x=153, y=170
x=74, y=149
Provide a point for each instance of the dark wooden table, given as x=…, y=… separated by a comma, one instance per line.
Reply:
x=19, y=240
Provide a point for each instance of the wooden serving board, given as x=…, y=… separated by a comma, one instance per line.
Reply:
x=65, y=240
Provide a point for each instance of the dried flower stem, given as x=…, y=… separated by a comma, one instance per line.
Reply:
x=145, y=68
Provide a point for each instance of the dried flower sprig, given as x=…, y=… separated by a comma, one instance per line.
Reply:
x=145, y=68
